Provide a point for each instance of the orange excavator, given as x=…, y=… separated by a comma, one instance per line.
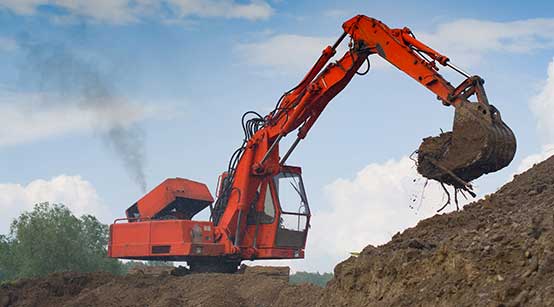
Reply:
x=262, y=211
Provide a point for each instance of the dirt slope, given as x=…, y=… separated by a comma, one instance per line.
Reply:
x=102, y=289
x=495, y=252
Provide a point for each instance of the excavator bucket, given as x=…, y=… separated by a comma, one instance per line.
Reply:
x=480, y=143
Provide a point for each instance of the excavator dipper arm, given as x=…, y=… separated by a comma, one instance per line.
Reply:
x=490, y=145
x=305, y=102
x=369, y=36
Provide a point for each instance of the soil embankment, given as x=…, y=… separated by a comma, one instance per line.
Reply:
x=498, y=251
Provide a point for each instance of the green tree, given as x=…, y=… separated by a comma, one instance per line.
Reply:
x=51, y=239
x=6, y=259
x=312, y=278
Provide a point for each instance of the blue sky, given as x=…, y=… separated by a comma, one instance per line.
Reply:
x=179, y=74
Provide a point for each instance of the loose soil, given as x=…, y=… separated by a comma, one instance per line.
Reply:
x=498, y=251
x=209, y=289
x=479, y=144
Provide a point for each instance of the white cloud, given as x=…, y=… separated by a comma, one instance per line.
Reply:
x=127, y=11
x=542, y=107
x=466, y=41
x=76, y=193
x=289, y=53
x=113, y=11
x=373, y=206
x=381, y=200
x=284, y=53
x=529, y=161
x=223, y=8
x=23, y=7
x=28, y=117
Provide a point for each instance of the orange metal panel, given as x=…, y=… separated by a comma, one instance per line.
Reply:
x=167, y=192
x=163, y=238
x=280, y=253
x=129, y=239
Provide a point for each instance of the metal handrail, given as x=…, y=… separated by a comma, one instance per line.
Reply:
x=294, y=213
x=131, y=219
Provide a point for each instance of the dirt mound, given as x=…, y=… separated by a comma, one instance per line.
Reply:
x=498, y=251
x=102, y=289
x=151, y=270
x=54, y=290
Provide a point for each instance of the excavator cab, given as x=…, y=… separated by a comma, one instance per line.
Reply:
x=278, y=225
x=293, y=210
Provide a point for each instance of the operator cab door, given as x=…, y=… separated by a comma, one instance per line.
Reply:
x=261, y=220
x=293, y=211
x=281, y=216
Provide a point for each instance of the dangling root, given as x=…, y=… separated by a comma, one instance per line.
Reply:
x=447, y=195
x=456, y=199
x=460, y=186
x=456, y=191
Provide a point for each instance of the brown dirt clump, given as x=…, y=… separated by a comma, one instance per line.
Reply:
x=480, y=143
x=498, y=251
x=434, y=149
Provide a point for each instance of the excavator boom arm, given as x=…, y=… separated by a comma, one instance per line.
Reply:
x=400, y=48
x=304, y=104
x=299, y=109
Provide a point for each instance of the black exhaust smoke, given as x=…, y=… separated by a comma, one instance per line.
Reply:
x=54, y=68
